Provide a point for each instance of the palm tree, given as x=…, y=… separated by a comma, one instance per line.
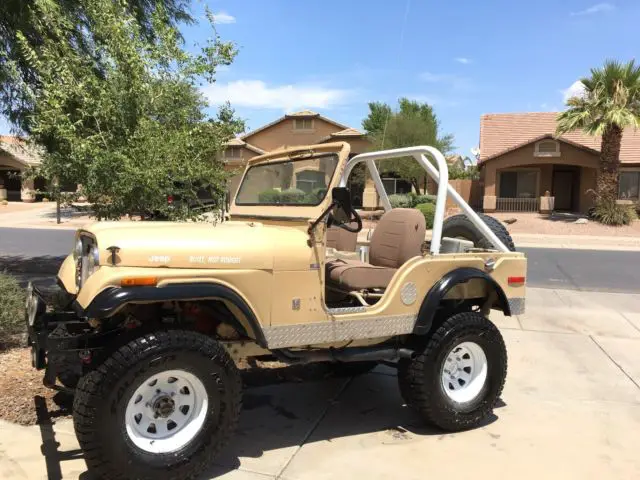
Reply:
x=610, y=103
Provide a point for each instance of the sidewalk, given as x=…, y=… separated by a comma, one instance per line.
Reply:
x=574, y=242
x=584, y=242
x=41, y=215
x=570, y=410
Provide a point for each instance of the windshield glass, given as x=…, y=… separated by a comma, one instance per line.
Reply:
x=290, y=182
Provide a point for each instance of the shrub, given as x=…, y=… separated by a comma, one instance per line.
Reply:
x=11, y=311
x=269, y=196
x=429, y=211
x=315, y=195
x=418, y=199
x=292, y=195
x=400, y=201
x=609, y=212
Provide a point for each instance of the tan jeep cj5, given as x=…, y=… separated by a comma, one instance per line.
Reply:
x=152, y=316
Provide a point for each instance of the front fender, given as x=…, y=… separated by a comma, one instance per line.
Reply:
x=437, y=293
x=109, y=301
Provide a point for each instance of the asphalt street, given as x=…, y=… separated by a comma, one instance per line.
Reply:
x=39, y=251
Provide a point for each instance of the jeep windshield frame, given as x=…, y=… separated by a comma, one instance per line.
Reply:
x=302, y=179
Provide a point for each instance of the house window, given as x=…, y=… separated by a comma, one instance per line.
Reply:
x=396, y=185
x=309, y=180
x=547, y=148
x=233, y=153
x=303, y=123
x=629, y=185
x=519, y=184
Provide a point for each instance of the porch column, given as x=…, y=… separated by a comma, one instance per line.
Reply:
x=490, y=177
x=369, y=195
x=27, y=192
x=547, y=202
x=489, y=203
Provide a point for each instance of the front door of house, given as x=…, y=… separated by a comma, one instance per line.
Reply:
x=563, y=189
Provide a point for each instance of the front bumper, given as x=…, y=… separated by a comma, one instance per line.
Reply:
x=51, y=328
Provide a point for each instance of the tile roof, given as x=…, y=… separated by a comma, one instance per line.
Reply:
x=238, y=142
x=346, y=133
x=302, y=113
x=504, y=132
x=20, y=150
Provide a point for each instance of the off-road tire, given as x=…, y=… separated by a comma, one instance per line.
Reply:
x=102, y=395
x=351, y=369
x=420, y=378
x=459, y=226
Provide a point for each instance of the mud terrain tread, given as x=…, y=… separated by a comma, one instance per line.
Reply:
x=93, y=388
x=462, y=222
x=420, y=387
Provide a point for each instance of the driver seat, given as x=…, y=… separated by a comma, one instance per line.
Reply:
x=397, y=238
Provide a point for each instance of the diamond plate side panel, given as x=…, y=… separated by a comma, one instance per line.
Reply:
x=337, y=331
x=517, y=306
x=334, y=311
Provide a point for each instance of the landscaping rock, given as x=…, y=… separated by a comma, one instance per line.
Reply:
x=581, y=221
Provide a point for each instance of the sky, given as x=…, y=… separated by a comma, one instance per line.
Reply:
x=466, y=58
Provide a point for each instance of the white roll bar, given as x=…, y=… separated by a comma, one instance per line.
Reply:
x=439, y=175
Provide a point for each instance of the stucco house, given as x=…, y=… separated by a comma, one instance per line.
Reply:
x=300, y=128
x=15, y=158
x=524, y=167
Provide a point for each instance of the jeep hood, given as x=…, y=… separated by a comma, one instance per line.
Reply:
x=228, y=245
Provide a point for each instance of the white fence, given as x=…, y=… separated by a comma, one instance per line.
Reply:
x=517, y=204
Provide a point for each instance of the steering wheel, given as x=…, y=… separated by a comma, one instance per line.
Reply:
x=353, y=217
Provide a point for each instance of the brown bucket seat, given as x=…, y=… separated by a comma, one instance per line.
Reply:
x=397, y=238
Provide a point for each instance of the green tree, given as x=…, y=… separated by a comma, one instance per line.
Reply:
x=20, y=27
x=609, y=104
x=412, y=124
x=123, y=115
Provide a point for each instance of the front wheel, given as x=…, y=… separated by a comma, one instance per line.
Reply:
x=456, y=379
x=162, y=406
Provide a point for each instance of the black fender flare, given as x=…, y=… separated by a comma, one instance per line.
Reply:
x=432, y=300
x=110, y=300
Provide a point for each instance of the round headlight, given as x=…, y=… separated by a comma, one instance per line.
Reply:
x=77, y=251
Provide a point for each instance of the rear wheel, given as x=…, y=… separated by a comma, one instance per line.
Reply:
x=457, y=377
x=162, y=406
x=459, y=226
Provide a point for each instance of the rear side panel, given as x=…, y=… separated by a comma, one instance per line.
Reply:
x=397, y=312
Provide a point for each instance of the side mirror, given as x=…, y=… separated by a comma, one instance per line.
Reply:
x=342, y=206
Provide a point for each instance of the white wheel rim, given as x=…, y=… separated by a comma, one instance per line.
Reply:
x=464, y=372
x=166, y=411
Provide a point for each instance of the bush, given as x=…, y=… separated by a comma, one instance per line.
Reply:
x=609, y=212
x=400, y=201
x=429, y=211
x=315, y=196
x=11, y=311
x=418, y=199
x=292, y=195
x=269, y=196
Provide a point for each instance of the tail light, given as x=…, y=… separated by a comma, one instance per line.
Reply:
x=169, y=199
x=516, y=281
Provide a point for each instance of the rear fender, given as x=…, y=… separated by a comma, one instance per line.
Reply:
x=437, y=293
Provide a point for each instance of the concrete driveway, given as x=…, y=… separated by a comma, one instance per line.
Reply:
x=570, y=409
